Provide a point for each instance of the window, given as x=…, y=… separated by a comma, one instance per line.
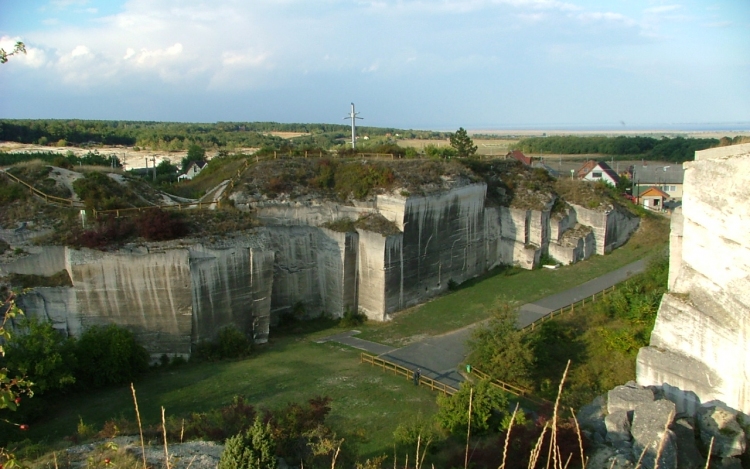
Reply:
x=672, y=188
x=656, y=202
x=596, y=174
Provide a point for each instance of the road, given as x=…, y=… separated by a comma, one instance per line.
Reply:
x=438, y=357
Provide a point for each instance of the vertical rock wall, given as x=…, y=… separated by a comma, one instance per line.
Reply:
x=231, y=286
x=42, y=260
x=700, y=345
x=443, y=240
x=148, y=293
x=372, y=274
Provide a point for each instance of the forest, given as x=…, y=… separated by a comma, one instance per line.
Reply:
x=678, y=149
x=179, y=136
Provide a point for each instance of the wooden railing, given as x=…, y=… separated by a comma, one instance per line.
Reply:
x=570, y=308
x=507, y=387
x=385, y=365
x=50, y=199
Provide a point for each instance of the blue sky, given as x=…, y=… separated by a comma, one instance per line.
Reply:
x=430, y=64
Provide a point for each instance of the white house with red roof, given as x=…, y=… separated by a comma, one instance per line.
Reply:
x=598, y=171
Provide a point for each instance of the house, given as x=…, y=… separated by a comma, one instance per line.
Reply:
x=653, y=198
x=598, y=171
x=519, y=156
x=193, y=170
x=667, y=178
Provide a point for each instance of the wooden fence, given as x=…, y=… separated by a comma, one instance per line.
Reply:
x=385, y=365
x=509, y=388
x=50, y=199
x=571, y=308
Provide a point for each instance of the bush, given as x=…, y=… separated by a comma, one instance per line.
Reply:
x=110, y=231
x=41, y=354
x=501, y=350
x=231, y=343
x=160, y=225
x=252, y=449
x=109, y=355
x=352, y=319
x=488, y=407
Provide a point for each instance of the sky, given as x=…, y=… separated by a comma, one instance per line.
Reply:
x=421, y=64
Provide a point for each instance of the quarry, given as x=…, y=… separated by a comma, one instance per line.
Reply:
x=319, y=252
x=317, y=248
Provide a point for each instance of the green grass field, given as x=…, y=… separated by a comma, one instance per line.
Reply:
x=366, y=402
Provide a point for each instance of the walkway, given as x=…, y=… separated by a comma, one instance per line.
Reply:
x=439, y=357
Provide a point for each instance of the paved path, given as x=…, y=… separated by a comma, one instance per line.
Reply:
x=438, y=357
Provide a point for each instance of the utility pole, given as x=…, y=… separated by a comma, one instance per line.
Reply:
x=353, y=116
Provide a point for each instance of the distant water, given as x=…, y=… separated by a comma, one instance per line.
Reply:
x=677, y=127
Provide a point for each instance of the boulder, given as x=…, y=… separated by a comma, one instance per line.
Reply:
x=627, y=397
x=618, y=427
x=591, y=417
x=651, y=436
x=688, y=456
x=721, y=424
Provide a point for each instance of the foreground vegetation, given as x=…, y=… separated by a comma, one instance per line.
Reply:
x=615, y=327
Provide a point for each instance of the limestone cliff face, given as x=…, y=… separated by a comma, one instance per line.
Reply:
x=176, y=294
x=146, y=292
x=700, y=346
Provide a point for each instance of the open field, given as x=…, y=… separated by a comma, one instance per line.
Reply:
x=287, y=134
x=365, y=401
x=490, y=147
x=130, y=158
x=470, y=302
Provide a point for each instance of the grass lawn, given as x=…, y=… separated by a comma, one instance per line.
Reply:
x=367, y=404
x=471, y=301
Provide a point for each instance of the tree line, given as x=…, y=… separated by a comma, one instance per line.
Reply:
x=180, y=136
x=676, y=149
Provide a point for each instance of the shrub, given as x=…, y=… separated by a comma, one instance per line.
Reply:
x=352, y=319
x=108, y=232
x=160, y=225
x=42, y=355
x=501, y=350
x=231, y=343
x=252, y=449
x=109, y=355
x=488, y=407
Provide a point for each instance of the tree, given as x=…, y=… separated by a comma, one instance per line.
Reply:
x=43, y=355
x=252, y=449
x=18, y=48
x=195, y=153
x=488, y=404
x=109, y=355
x=463, y=144
x=501, y=350
x=10, y=388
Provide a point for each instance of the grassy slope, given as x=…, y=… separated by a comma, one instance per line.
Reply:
x=469, y=304
x=366, y=401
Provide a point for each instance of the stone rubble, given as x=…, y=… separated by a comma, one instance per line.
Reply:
x=633, y=420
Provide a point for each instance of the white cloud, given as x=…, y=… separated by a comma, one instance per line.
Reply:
x=80, y=50
x=63, y=4
x=238, y=59
x=606, y=16
x=662, y=9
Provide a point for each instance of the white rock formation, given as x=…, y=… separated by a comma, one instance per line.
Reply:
x=175, y=294
x=700, y=345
